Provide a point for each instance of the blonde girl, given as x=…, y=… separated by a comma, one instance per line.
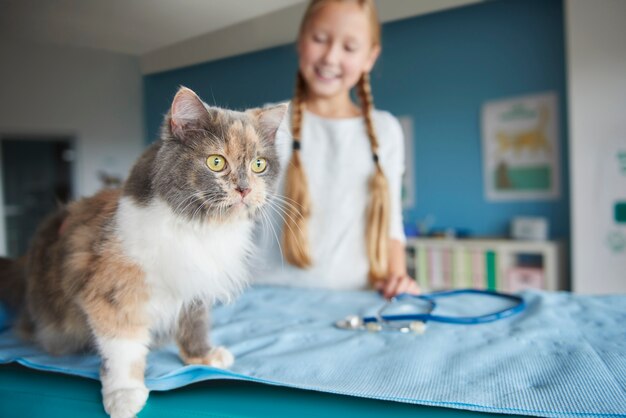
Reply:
x=344, y=163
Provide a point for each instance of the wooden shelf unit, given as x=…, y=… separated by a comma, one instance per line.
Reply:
x=497, y=264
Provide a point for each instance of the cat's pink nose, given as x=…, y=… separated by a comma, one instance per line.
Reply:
x=243, y=192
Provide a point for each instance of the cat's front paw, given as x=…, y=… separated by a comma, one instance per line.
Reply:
x=221, y=358
x=125, y=403
x=218, y=357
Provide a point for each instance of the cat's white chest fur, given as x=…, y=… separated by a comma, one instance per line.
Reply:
x=183, y=260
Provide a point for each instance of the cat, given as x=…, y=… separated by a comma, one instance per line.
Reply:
x=122, y=270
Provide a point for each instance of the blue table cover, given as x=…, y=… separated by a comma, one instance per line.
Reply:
x=565, y=355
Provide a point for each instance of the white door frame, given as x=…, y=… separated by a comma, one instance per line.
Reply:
x=3, y=237
x=72, y=138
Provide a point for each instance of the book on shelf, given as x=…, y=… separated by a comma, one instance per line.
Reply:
x=436, y=278
x=491, y=267
x=478, y=269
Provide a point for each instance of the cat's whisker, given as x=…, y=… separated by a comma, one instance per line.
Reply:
x=227, y=207
x=223, y=129
x=213, y=96
x=194, y=200
x=286, y=207
x=285, y=223
x=194, y=213
x=291, y=212
x=187, y=202
x=224, y=210
x=209, y=133
x=198, y=130
x=221, y=209
x=284, y=211
x=204, y=202
x=205, y=196
x=285, y=199
x=266, y=217
x=199, y=196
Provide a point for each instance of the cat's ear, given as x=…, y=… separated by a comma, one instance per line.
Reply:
x=269, y=119
x=186, y=112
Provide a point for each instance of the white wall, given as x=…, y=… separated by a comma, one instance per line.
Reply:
x=94, y=96
x=596, y=54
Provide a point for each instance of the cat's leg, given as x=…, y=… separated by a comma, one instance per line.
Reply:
x=57, y=332
x=61, y=342
x=192, y=337
x=122, y=374
x=115, y=305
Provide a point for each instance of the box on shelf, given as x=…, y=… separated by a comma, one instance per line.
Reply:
x=526, y=228
x=522, y=278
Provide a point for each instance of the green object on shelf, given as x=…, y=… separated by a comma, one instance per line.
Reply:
x=490, y=262
x=620, y=212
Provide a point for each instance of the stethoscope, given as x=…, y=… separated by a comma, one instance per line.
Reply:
x=416, y=322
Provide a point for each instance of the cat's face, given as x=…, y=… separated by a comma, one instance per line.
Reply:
x=215, y=163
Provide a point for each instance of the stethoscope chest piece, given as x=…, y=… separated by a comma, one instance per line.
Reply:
x=355, y=323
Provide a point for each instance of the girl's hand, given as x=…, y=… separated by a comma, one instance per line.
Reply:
x=396, y=284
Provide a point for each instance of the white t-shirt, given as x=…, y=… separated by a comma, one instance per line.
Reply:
x=337, y=160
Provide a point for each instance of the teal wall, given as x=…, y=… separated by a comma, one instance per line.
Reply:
x=438, y=69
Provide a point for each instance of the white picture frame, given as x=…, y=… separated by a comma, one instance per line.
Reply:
x=521, y=150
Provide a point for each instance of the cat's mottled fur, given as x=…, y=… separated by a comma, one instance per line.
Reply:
x=125, y=268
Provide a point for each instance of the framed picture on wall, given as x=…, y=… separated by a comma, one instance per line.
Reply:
x=521, y=153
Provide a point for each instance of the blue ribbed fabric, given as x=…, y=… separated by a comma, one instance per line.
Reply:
x=564, y=356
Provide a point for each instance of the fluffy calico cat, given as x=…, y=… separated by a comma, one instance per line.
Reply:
x=125, y=268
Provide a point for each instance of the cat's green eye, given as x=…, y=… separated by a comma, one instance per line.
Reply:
x=259, y=165
x=216, y=162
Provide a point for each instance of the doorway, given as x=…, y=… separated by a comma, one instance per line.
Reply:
x=37, y=178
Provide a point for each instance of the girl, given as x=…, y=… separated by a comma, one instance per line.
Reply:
x=344, y=163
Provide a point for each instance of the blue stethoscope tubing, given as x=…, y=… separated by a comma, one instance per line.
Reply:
x=430, y=298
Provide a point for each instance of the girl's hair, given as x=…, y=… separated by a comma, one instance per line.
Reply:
x=295, y=232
